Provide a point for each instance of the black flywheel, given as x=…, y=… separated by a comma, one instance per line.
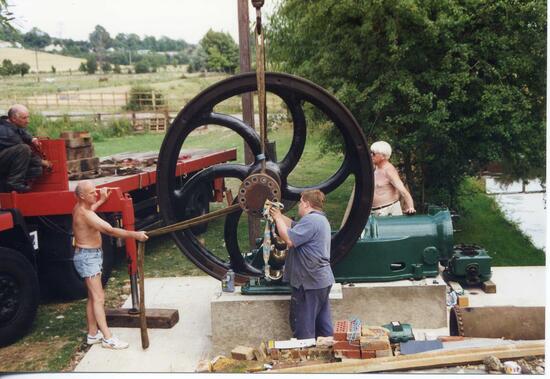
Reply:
x=270, y=182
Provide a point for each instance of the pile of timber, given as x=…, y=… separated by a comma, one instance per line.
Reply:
x=128, y=163
x=81, y=161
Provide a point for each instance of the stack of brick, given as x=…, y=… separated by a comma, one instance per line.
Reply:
x=375, y=342
x=347, y=339
x=81, y=162
x=355, y=341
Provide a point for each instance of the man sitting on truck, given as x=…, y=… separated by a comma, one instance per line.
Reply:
x=88, y=259
x=17, y=161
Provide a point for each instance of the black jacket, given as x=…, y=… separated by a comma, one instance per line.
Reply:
x=11, y=135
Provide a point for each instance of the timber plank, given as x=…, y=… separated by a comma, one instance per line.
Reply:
x=156, y=318
x=424, y=360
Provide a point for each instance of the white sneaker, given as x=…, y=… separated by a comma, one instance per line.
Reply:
x=92, y=340
x=114, y=343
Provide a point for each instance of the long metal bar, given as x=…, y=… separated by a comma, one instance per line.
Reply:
x=194, y=221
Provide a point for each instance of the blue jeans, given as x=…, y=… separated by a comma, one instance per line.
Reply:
x=310, y=313
x=88, y=262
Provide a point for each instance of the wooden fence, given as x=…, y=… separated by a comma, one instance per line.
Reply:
x=152, y=121
x=97, y=101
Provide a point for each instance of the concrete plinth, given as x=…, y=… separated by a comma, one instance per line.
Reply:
x=250, y=319
x=420, y=303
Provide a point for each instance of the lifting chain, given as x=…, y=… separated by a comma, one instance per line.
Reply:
x=260, y=77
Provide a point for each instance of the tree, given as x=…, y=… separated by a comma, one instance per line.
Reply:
x=452, y=85
x=22, y=69
x=5, y=15
x=83, y=67
x=141, y=67
x=117, y=69
x=36, y=39
x=100, y=41
x=198, y=60
x=6, y=68
x=91, y=64
x=106, y=67
x=222, y=53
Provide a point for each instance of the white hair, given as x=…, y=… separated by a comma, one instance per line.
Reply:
x=381, y=147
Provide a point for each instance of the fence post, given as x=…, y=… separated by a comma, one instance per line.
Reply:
x=166, y=119
x=154, y=101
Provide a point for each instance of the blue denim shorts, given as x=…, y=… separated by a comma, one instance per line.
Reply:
x=88, y=262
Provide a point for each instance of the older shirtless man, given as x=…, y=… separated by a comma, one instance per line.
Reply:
x=388, y=187
x=88, y=259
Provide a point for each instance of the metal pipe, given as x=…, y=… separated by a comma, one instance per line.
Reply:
x=135, y=296
x=515, y=323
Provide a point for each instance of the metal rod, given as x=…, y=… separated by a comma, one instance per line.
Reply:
x=194, y=221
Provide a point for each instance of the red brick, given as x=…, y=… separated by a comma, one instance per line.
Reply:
x=341, y=329
x=352, y=354
x=345, y=345
x=367, y=354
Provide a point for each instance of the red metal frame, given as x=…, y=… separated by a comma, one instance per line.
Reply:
x=6, y=221
x=53, y=194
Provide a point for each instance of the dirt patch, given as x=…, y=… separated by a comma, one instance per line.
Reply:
x=29, y=356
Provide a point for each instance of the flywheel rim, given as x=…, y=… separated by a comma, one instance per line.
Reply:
x=292, y=90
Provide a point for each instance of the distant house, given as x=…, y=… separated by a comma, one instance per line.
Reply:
x=53, y=47
x=143, y=51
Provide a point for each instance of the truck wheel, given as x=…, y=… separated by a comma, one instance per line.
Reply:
x=64, y=282
x=19, y=295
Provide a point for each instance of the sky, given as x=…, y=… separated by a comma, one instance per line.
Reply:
x=177, y=19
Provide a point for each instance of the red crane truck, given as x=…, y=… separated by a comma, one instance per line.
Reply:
x=36, y=242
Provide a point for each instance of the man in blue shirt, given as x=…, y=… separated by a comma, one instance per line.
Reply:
x=307, y=266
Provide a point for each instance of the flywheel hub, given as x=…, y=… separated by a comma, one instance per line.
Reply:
x=255, y=190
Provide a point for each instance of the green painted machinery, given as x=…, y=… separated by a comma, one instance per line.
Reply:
x=469, y=265
x=399, y=247
x=396, y=248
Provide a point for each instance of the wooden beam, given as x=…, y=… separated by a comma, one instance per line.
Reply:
x=423, y=360
x=247, y=102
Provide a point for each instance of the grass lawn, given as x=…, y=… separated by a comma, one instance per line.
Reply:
x=483, y=223
x=57, y=336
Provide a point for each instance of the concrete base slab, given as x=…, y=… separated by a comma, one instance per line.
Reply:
x=250, y=319
x=178, y=349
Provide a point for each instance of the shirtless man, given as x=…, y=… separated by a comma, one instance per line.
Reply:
x=88, y=259
x=388, y=187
